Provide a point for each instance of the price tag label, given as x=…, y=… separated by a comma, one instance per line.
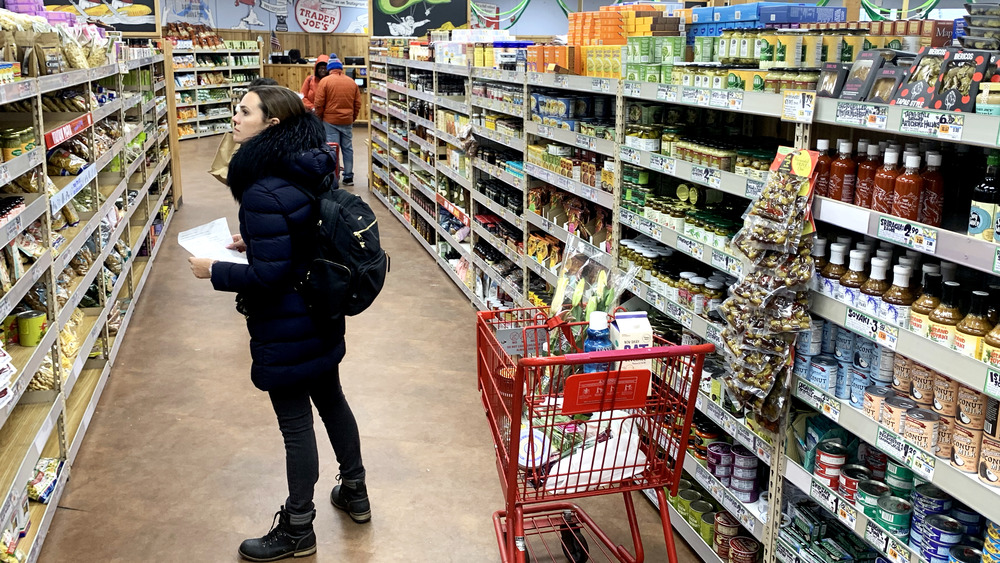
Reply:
x=13, y=227
x=699, y=402
x=918, y=122
x=744, y=435
x=992, y=383
x=921, y=462
x=690, y=96
x=599, y=85
x=754, y=188
x=716, y=413
x=658, y=162
x=890, y=443
x=703, y=476
x=823, y=496
x=897, y=552
x=950, y=126
x=679, y=314
x=763, y=450
x=850, y=113
x=713, y=334
x=876, y=536
x=122, y=67
x=586, y=142
x=719, y=259
x=666, y=93
x=735, y=100
x=719, y=99
x=545, y=131
x=831, y=408
x=704, y=97
x=560, y=80
x=847, y=513
x=798, y=106
x=810, y=396
x=633, y=88
x=912, y=235
x=871, y=328
x=690, y=247
x=534, y=78
x=629, y=155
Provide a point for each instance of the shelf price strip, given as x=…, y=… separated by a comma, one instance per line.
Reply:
x=708, y=176
x=921, y=462
x=871, y=328
x=912, y=235
x=885, y=543
x=661, y=163
x=666, y=93
x=946, y=126
x=871, y=116
x=818, y=400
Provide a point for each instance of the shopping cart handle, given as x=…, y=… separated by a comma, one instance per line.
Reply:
x=619, y=355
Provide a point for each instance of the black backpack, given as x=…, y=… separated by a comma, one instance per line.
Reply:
x=350, y=266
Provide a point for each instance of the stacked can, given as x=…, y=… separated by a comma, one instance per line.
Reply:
x=882, y=367
x=682, y=486
x=899, y=477
x=894, y=410
x=941, y=534
x=868, y=494
x=921, y=428
x=726, y=528
x=744, y=481
x=844, y=352
x=823, y=372
x=969, y=518
x=704, y=432
x=945, y=404
x=865, y=352
x=707, y=527
x=743, y=550
x=696, y=511
x=874, y=459
x=807, y=345
x=830, y=460
x=894, y=515
x=991, y=543
x=720, y=462
x=875, y=396
x=828, y=345
x=928, y=500
x=967, y=435
x=850, y=477
x=921, y=384
x=965, y=554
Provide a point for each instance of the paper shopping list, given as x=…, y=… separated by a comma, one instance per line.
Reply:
x=210, y=240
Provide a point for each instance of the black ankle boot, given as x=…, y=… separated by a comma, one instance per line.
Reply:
x=292, y=536
x=351, y=496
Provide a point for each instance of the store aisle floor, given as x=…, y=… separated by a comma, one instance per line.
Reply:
x=183, y=459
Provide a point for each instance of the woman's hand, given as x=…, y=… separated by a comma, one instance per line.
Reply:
x=238, y=245
x=201, y=267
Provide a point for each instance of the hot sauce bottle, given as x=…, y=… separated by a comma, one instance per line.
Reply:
x=843, y=173
x=851, y=282
x=823, y=167
x=834, y=270
x=870, y=300
x=932, y=198
x=865, y=186
x=885, y=183
x=896, y=302
x=909, y=184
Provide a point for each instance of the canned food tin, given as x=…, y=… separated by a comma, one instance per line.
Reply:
x=801, y=366
x=965, y=554
x=965, y=514
x=722, y=547
x=864, y=354
x=946, y=433
x=965, y=448
x=720, y=470
x=685, y=498
x=726, y=524
x=743, y=484
x=720, y=453
x=682, y=485
x=991, y=426
x=971, y=408
x=851, y=477
x=810, y=342
x=744, y=458
x=707, y=527
x=989, y=462
x=882, y=369
x=936, y=550
x=916, y=538
x=743, y=550
x=942, y=529
x=894, y=411
x=746, y=496
x=842, y=390
x=859, y=382
x=931, y=497
x=901, y=375
x=831, y=453
x=945, y=395
x=894, y=511
x=745, y=473
x=874, y=397
x=844, y=351
x=898, y=471
x=921, y=384
x=921, y=428
x=868, y=494
x=823, y=372
x=696, y=511
x=829, y=482
x=830, y=337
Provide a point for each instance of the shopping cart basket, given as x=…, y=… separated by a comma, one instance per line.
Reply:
x=547, y=456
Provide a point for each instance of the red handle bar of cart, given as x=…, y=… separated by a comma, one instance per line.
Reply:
x=618, y=355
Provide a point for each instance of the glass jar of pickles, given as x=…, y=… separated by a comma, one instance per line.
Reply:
x=670, y=135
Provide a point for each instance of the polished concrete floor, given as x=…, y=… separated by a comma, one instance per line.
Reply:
x=183, y=459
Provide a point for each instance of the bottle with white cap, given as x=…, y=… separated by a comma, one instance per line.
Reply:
x=909, y=184
x=820, y=261
x=843, y=173
x=851, y=282
x=885, y=183
x=896, y=302
x=823, y=167
x=932, y=197
x=870, y=300
x=834, y=270
x=598, y=339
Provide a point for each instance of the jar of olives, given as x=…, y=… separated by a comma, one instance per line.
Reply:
x=698, y=298
x=714, y=295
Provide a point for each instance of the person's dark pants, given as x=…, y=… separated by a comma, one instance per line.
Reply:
x=295, y=419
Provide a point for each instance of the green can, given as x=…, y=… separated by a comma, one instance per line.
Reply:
x=894, y=513
x=682, y=486
x=696, y=511
x=900, y=472
x=707, y=527
x=685, y=499
x=869, y=492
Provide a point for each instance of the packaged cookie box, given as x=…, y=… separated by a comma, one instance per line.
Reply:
x=958, y=83
x=918, y=89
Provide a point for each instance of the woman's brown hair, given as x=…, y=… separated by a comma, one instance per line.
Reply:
x=279, y=102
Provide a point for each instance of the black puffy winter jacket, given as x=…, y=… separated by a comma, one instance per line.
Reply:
x=277, y=222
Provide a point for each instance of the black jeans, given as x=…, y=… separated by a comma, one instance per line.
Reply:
x=295, y=419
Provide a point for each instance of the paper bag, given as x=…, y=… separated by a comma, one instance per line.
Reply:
x=220, y=166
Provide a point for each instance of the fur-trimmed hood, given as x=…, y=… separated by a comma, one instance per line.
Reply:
x=294, y=150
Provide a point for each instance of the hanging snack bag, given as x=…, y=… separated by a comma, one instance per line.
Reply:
x=961, y=72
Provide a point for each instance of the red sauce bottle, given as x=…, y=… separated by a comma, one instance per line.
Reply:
x=932, y=198
x=909, y=184
x=843, y=173
x=885, y=183
x=823, y=167
x=865, y=187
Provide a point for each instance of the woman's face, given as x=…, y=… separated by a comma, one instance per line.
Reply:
x=249, y=119
x=321, y=70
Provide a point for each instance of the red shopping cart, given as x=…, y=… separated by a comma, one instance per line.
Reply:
x=546, y=456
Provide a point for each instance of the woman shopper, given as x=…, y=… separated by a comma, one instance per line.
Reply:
x=282, y=149
x=220, y=164
x=311, y=81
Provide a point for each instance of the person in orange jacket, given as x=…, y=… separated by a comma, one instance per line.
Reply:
x=312, y=81
x=337, y=102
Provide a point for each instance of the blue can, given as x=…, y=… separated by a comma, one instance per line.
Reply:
x=823, y=372
x=965, y=554
x=937, y=549
x=865, y=355
x=931, y=499
x=845, y=346
x=843, y=388
x=966, y=515
x=801, y=367
x=829, y=344
x=942, y=529
x=859, y=382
